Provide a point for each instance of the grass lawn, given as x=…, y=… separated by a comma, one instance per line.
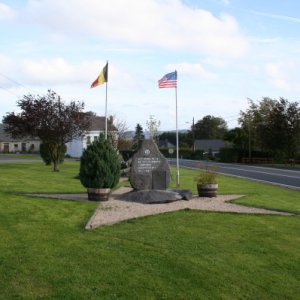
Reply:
x=45, y=253
x=258, y=194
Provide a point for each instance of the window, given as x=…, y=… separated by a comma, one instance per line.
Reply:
x=88, y=140
x=95, y=138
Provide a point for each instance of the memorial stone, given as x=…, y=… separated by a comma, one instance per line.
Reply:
x=150, y=169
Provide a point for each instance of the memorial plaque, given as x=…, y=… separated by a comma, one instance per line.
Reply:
x=159, y=180
x=148, y=167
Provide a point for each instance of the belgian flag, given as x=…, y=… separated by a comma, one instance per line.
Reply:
x=102, y=77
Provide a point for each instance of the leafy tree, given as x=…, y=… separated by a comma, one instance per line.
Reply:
x=153, y=126
x=273, y=126
x=138, y=136
x=210, y=127
x=119, y=139
x=50, y=119
x=238, y=137
x=185, y=138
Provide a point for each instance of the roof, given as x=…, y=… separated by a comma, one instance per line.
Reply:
x=206, y=145
x=98, y=124
x=165, y=143
x=6, y=137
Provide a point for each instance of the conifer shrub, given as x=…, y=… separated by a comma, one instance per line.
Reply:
x=99, y=165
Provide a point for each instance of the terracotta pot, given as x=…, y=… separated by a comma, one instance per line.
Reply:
x=207, y=190
x=98, y=194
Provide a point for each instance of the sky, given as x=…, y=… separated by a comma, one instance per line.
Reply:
x=225, y=52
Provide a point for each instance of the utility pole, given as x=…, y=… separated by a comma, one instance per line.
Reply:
x=249, y=136
x=193, y=131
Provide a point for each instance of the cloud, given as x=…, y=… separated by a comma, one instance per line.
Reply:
x=6, y=13
x=58, y=71
x=165, y=24
x=194, y=70
x=281, y=75
x=275, y=16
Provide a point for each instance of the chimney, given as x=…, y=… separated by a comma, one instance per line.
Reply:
x=111, y=120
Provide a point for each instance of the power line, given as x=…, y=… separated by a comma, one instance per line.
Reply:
x=12, y=80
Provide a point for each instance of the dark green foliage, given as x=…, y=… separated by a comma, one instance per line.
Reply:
x=210, y=127
x=45, y=154
x=185, y=138
x=48, y=152
x=186, y=153
x=99, y=165
x=272, y=126
x=138, y=137
x=126, y=154
x=230, y=155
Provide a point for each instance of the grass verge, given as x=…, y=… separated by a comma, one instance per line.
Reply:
x=45, y=253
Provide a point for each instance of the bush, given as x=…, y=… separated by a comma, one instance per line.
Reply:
x=99, y=165
x=47, y=151
x=186, y=153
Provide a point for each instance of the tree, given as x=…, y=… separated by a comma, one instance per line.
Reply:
x=99, y=165
x=119, y=140
x=50, y=119
x=185, y=138
x=273, y=126
x=138, y=136
x=153, y=126
x=210, y=127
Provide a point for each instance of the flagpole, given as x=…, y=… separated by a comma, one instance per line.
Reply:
x=106, y=103
x=177, y=143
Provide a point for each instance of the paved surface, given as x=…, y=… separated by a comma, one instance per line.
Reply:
x=282, y=177
x=116, y=210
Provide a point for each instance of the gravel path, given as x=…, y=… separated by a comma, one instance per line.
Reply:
x=114, y=210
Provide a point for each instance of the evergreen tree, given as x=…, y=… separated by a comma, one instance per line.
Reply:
x=99, y=165
x=138, y=136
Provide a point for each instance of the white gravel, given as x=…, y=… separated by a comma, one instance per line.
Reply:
x=114, y=210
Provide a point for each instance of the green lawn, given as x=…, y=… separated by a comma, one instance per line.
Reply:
x=258, y=194
x=45, y=253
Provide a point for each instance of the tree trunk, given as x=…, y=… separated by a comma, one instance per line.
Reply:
x=55, y=166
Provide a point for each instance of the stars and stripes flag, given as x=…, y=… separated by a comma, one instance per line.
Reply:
x=168, y=81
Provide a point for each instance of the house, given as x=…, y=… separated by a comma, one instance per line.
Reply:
x=210, y=146
x=20, y=145
x=76, y=147
x=165, y=144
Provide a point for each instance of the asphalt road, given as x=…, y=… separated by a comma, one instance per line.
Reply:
x=275, y=176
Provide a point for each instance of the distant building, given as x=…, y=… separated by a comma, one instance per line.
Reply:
x=212, y=146
x=17, y=145
x=165, y=144
x=75, y=148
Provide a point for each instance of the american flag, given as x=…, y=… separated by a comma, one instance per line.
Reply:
x=168, y=81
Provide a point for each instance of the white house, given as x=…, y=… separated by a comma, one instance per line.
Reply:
x=75, y=147
x=20, y=145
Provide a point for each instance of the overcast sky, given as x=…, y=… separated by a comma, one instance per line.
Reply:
x=225, y=51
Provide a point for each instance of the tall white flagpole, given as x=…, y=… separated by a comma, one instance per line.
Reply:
x=177, y=142
x=106, y=101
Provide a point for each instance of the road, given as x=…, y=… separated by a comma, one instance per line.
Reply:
x=275, y=176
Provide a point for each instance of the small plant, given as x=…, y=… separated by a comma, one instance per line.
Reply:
x=207, y=175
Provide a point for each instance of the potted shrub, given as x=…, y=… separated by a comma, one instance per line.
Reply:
x=99, y=169
x=207, y=184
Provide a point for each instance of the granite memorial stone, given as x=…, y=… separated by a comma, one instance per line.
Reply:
x=150, y=169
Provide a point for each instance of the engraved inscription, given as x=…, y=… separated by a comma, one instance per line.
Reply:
x=146, y=165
